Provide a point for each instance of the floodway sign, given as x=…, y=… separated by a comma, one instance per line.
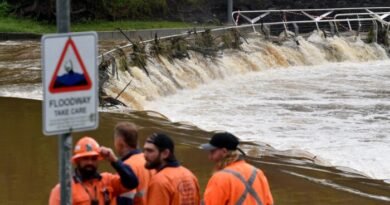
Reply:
x=70, y=82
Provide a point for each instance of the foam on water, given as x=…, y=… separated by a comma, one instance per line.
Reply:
x=167, y=77
x=11, y=43
x=339, y=112
x=31, y=91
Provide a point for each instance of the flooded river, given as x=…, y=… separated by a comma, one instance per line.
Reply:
x=298, y=124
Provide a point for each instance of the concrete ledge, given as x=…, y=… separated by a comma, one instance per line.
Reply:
x=104, y=35
x=144, y=34
x=19, y=36
x=135, y=34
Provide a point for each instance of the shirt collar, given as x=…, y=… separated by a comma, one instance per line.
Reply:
x=170, y=164
x=131, y=153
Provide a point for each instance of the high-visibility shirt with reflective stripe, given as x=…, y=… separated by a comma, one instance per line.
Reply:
x=138, y=195
x=227, y=188
x=96, y=188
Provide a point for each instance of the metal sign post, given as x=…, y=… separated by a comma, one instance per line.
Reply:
x=65, y=146
x=70, y=94
x=229, y=12
x=65, y=141
x=70, y=89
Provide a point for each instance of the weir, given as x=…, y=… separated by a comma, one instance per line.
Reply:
x=163, y=66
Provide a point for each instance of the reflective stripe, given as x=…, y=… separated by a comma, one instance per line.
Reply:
x=248, y=185
x=132, y=195
x=140, y=194
x=129, y=195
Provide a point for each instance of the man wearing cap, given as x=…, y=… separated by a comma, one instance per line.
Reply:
x=90, y=187
x=234, y=182
x=172, y=184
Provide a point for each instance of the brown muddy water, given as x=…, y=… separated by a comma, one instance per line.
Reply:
x=29, y=160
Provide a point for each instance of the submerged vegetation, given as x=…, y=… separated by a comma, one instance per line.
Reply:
x=176, y=48
x=379, y=35
x=138, y=56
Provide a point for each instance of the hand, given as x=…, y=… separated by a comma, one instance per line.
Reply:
x=108, y=154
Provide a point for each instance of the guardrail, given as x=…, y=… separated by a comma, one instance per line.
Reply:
x=316, y=16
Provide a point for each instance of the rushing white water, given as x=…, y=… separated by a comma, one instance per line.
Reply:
x=339, y=112
x=167, y=77
x=33, y=91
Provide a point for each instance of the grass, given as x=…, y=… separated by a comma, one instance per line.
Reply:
x=12, y=24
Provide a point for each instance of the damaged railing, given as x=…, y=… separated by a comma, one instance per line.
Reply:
x=333, y=17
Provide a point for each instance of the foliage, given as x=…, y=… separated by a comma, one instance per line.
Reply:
x=370, y=36
x=139, y=56
x=178, y=48
x=5, y=8
x=205, y=43
x=123, y=66
x=159, y=48
x=135, y=9
x=205, y=39
x=227, y=41
x=87, y=10
x=237, y=38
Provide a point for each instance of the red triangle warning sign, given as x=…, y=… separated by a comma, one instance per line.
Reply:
x=70, y=73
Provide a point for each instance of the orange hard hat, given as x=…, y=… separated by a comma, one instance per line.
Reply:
x=86, y=147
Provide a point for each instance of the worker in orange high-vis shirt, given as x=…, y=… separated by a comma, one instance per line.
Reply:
x=234, y=182
x=125, y=142
x=172, y=184
x=90, y=187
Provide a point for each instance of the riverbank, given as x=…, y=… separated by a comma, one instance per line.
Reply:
x=12, y=28
x=293, y=180
x=135, y=35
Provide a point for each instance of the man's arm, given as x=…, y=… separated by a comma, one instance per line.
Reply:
x=126, y=180
x=127, y=177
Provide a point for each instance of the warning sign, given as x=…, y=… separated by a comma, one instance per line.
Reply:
x=69, y=82
x=70, y=73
